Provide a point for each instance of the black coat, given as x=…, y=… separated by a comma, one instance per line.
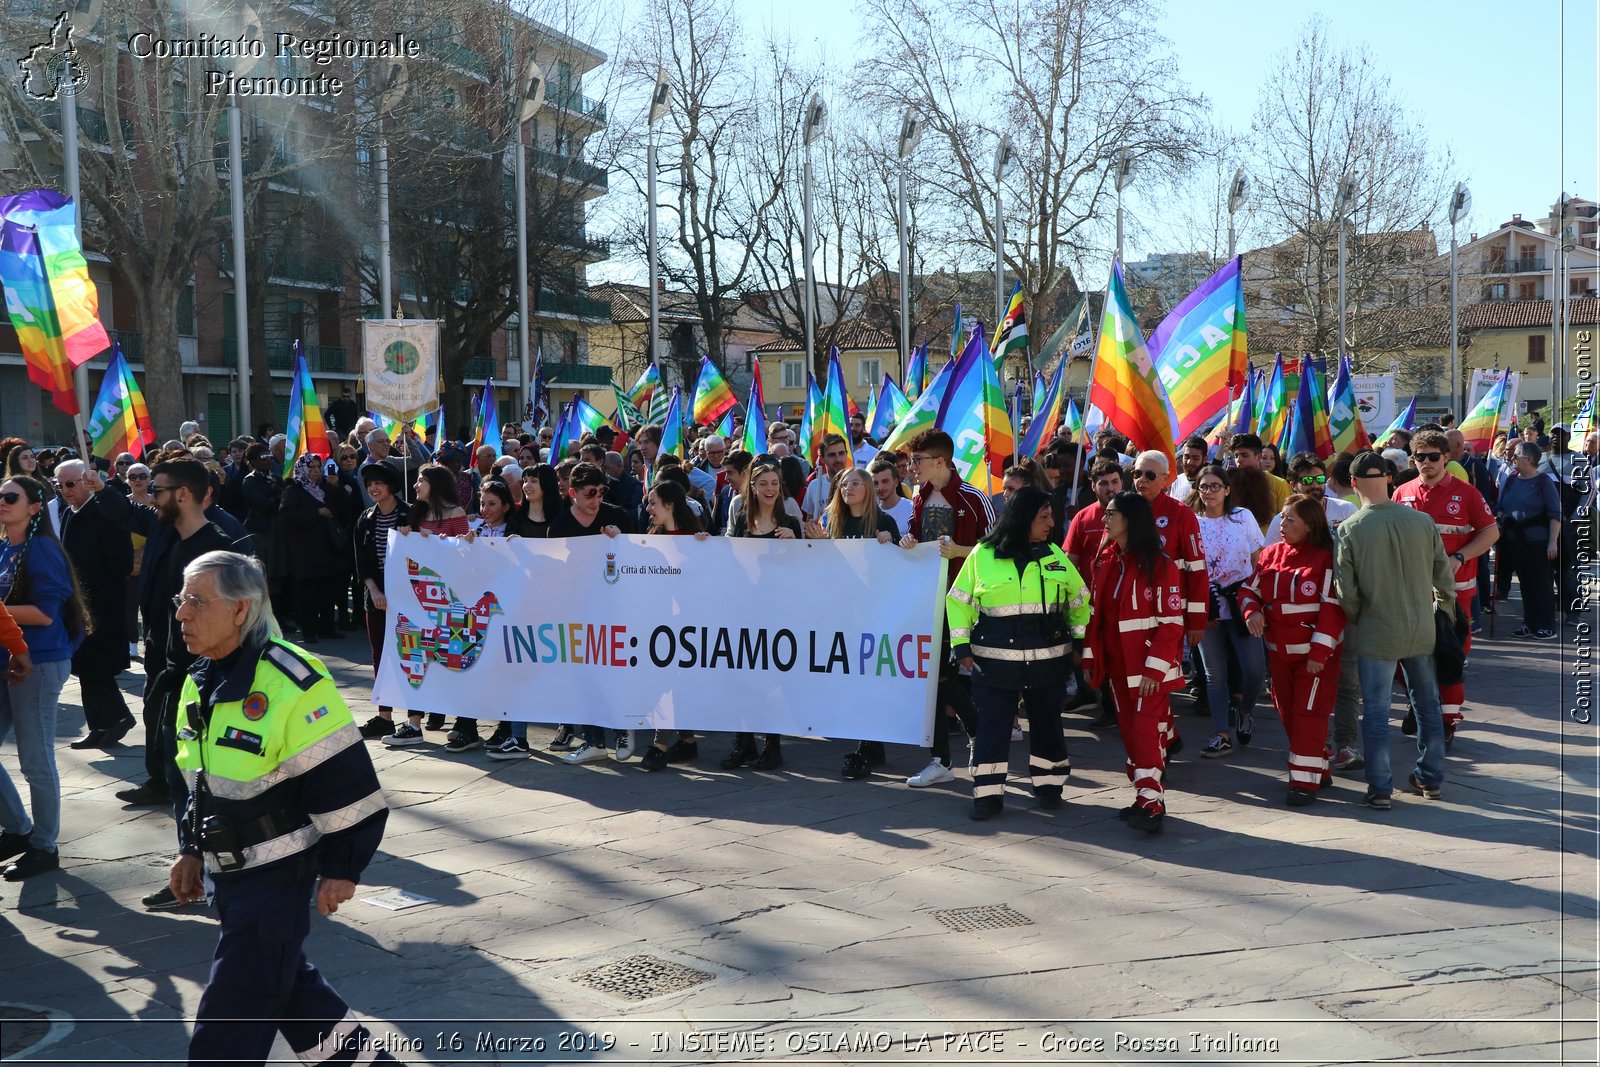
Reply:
x=309, y=545
x=101, y=551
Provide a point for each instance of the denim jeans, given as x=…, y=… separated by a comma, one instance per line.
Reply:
x=1219, y=637
x=30, y=708
x=1377, y=688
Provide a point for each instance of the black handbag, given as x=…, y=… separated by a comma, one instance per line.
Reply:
x=338, y=536
x=1449, y=649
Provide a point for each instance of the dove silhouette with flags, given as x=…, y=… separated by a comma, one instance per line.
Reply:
x=454, y=634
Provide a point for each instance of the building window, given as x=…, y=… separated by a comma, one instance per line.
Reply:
x=1536, y=348
x=869, y=372
x=1499, y=291
x=794, y=374
x=1527, y=291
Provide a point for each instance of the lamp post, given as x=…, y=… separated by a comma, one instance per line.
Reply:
x=532, y=100
x=391, y=92
x=1460, y=204
x=241, y=302
x=811, y=127
x=1236, y=194
x=1124, y=172
x=910, y=134
x=1346, y=194
x=659, y=98
x=1002, y=160
x=1558, y=309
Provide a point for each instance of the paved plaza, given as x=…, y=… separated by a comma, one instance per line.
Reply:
x=609, y=915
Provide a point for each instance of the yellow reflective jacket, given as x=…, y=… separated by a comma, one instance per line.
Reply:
x=1017, y=625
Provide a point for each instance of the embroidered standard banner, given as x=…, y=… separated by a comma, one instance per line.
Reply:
x=819, y=638
x=400, y=361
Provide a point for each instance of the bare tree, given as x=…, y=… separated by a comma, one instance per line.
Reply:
x=1326, y=112
x=1074, y=82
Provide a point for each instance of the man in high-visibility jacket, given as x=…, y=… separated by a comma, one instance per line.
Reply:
x=283, y=801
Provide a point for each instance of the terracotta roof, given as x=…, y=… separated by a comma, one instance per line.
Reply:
x=1373, y=330
x=851, y=337
x=631, y=303
x=1523, y=314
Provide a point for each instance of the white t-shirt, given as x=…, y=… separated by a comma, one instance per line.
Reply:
x=817, y=494
x=865, y=453
x=900, y=513
x=1335, y=509
x=1180, y=488
x=1229, y=542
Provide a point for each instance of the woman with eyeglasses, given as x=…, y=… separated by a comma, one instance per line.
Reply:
x=1232, y=542
x=1135, y=646
x=1291, y=602
x=39, y=590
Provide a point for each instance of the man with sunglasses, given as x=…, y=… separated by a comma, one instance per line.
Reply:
x=1466, y=526
x=1179, y=531
x=1309, y=477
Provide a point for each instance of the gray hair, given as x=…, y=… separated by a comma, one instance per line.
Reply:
x=376, y=434
x=68, y=467
x=1157, y=458
x=1528, y=450
x=240, y=580
x=138, y=468
x=187, y=428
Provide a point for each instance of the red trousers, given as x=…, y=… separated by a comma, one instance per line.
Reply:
x=1145, y=723
x=1451, y=697
x=1305, y=704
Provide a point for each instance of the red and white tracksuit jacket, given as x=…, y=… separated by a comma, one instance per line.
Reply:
x=1293, y=587
x=1136, y=633
x=1180, y=538
x=1459, y=513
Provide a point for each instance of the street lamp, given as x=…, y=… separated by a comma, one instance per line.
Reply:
x=1002, y=160
x=1236, y=194
x=1460, y=204
x=811, y=126
x=660, y=101
x=1346, y=196
x=391, y=90
x=241, y=302
x=910, y=134
x=1124, y=173
x=532, y=100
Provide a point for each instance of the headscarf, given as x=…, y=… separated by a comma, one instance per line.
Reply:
x=302, y=474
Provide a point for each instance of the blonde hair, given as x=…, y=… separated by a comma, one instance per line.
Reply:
x=839, y=511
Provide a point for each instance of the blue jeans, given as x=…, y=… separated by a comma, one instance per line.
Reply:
x=30, y=708
x=1377, y=689
x=1219, y=637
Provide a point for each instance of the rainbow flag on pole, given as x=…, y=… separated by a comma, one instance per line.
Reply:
x=49, y=296
x=646, y=387
x=119, y=420
x=1274, y=406
x=486, y=420
x=1486, y=416
x=833, y=414
x=916, y=373
x=1201, y=349
x=1344, y=417
x=672, y=428
x=891, y=408
x=974, y=415
x=755, y=414
x=305, y=429
x=923, y=414
x=713, y=397
x=1012, y=337
x=1123, y=382
x=1406, y=420
x=1046, y=414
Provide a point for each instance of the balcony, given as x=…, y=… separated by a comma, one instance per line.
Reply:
x=584, y=307
x=575, y=103
x=292, y=266
x=480, y=367
x=132, y=344
x=592, y=247
x=577, y=375
x=323, y=359
x=570, y=168
x=91, y=123
x=1526, y=265
x=456, y=55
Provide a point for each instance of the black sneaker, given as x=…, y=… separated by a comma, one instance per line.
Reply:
x=564, y=740
x=377, y=727
x=1377, y=801
x=113, y=737
x=682, y=751
x=855, y=766
x=144, y=795
x=771, y=757
x=462, y=742
x=1545, y=635
x=1128, y=812
x=1247, y=727
x=1218, y=746
x=1048, y=801
x=1299, y=798
x=654, y=759
x=1147, y=820
x=1522, y=631
x=1431, y=792
x=12, y=844
x=986, y=808
x=1175, y=748
x=501, y=732
x=435, y=722
x=1106, y=721
x=32, y=862
x=163, y=900
x=511, y=748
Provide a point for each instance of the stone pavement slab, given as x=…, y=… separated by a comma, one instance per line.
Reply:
x=1454, y=931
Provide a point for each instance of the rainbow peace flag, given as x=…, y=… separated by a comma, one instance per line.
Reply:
x=955, y=335
x=1583, y=421
x=648, y=384
x=1123, y=382
x=917, y=372
x=1012, y=337
x=1073, y=419
x=755, y=415
x=672, y=428
x=1321, y=423
x=725, y=427
x=713, y=397
x=1201, y=351
x=974, y=415
x=1486, y=416
x=305, y=429
x=807, y=436
x=1258, y=406
x=1241, y=417
x=833, y=413
x=49, y=296
x=1406, y=420
x=1274, y=405
x=1040, y=389
x=1046, y=414
x=1344, y=417
x=891, y=408
x=923, y=414
x=486, y=420
x=119, y=420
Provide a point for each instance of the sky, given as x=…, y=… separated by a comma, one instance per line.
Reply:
x=1481, y=76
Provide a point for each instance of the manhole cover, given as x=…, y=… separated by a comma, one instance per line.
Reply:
x=987, y=917
x=641, y=977
x=29, y=1028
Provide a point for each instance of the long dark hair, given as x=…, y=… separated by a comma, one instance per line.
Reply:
x=792, y=475
x=1318, y=533
x=442, y=495
x=672, y=494
x=1144, y=543
x=1009, y=534
x=549, y=488
x=752, y=506
x=1220, y=473
x=74, y=616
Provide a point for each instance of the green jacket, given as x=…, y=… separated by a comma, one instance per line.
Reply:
x=1392, y=571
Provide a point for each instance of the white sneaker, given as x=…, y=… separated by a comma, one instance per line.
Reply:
x=584, y=754
x=1016, y=733
x=624, y=751
x=933, y=774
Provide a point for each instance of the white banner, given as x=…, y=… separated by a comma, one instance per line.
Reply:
x=1481, y=380
x=1375, y=400
x=819, y=638
x=400, y=360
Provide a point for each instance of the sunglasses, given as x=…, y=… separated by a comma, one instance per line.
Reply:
x=1427, y=457
x=1314, y=479
x=124, y=463
x=10, y=498
x=72, y=484
x=138, y=477
x=1148, y=476
x=589, y=493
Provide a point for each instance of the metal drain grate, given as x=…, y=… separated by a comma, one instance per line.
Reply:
x=641, y=977
x=987, y=917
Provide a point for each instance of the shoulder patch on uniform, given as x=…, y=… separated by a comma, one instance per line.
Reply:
x=299, y=670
